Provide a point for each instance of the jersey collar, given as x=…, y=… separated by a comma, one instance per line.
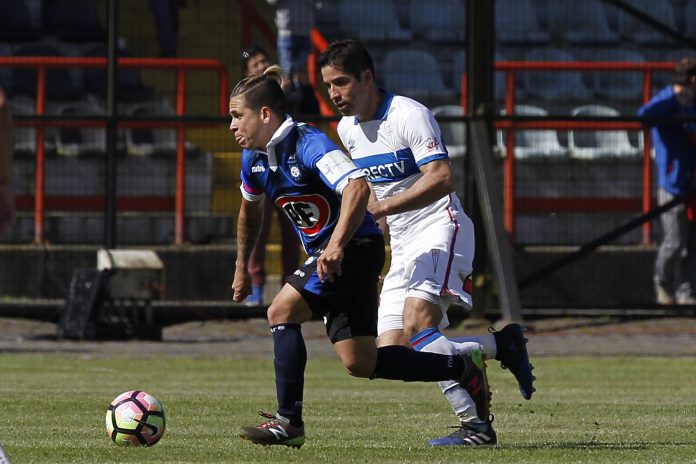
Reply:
x=383, y=108
x=278, y=137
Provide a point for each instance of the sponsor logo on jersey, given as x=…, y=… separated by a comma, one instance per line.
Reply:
x=310, y=213
x=351, y=145
x=391, y=170
x=259, y=168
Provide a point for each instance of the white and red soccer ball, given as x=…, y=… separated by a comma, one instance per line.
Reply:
x=135, y=418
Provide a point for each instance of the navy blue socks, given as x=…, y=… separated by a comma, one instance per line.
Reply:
x=289, y=361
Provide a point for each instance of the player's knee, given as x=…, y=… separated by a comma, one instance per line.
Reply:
x=358, y=367
x=279, y=313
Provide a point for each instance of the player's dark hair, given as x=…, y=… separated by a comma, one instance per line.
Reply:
x=248, y=53
x=348, y=55
x=263, y=90
x=684, y=70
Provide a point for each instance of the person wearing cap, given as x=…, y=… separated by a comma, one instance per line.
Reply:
x=674, y=277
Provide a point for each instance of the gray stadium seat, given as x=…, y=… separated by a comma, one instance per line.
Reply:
x=580, y=24
x=601, y=144
x=145, y=142
x=619, y=85
x=554, y=85
x=80, y=141
x=533, y=144
x=637, y=31
x=438, y=20
x=690, y=14
x=516, y=22
x=413, y=73
x=372, y=20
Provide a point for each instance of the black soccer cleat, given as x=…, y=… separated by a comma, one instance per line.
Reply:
x=475, y=381
x=276, y=431
x=511, y=351
x=468, y=435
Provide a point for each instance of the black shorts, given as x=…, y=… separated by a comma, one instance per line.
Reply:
x=349, y=304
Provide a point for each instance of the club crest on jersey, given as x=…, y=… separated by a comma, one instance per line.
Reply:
x=295, y=171
x=310, y=213
x=351, y=145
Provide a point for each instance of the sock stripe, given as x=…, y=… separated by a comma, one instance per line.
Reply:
x=424, y=338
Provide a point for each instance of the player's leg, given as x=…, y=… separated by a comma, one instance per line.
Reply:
x=423, y=315
x=285, y=315
x=509, y=346
x=669, y=253
x=350, y=324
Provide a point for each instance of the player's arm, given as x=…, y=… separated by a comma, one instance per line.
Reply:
x=353, y=207
x=249, y=224
x=381, y=222
x=436, y=182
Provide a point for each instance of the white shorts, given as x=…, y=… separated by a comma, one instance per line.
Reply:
x=433, y=263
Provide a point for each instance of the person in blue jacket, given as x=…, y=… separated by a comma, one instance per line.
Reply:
x=325, y=196
x=674, y=277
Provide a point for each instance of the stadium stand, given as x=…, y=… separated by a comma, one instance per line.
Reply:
x=130, y=83
x=619, y=85
x=145, y=142
x=533, y=144
x=24, y=137
x=372, y=20
x=438, y=20
x=61, y=84
x=636, y=31
x=586, y=25
x=516, y=22
x=16, y=22
x=72, y=20
x=80, y=141
x=399, y=76
x=600, y=144
x=555, y=85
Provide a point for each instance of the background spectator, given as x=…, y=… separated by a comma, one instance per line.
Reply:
x=675, y=156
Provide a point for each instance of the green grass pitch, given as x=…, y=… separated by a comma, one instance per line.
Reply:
x=598, y=410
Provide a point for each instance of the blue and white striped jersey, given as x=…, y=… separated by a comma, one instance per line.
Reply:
x=390, y=149
x=304, y=173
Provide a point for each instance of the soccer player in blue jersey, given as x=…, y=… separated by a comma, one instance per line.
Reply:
x=396, y=142
x=325, y=196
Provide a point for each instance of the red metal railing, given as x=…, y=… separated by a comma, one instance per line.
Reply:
x=179, y=65
x=511, y=203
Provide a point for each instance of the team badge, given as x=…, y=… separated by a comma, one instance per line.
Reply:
x=295, y=171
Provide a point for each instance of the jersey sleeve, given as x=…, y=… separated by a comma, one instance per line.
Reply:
x=334, y=167
x=422, y=134
x=250, y=191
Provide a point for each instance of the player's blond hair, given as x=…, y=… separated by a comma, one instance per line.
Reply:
x=263, y=90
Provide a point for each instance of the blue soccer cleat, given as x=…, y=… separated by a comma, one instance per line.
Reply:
x=468, y=435
x=511, y=351
x=256, y=297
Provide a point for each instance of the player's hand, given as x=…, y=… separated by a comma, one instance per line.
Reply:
x=329, y=263
x=241, y=285
x=7, y=208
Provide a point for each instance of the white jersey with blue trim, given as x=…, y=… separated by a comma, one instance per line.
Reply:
x=390, y=150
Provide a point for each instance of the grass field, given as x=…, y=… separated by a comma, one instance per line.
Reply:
x=598, y=410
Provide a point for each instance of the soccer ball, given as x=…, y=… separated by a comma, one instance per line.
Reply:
x=135, y=418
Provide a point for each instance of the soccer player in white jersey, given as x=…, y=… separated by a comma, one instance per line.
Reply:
x=397, y=143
